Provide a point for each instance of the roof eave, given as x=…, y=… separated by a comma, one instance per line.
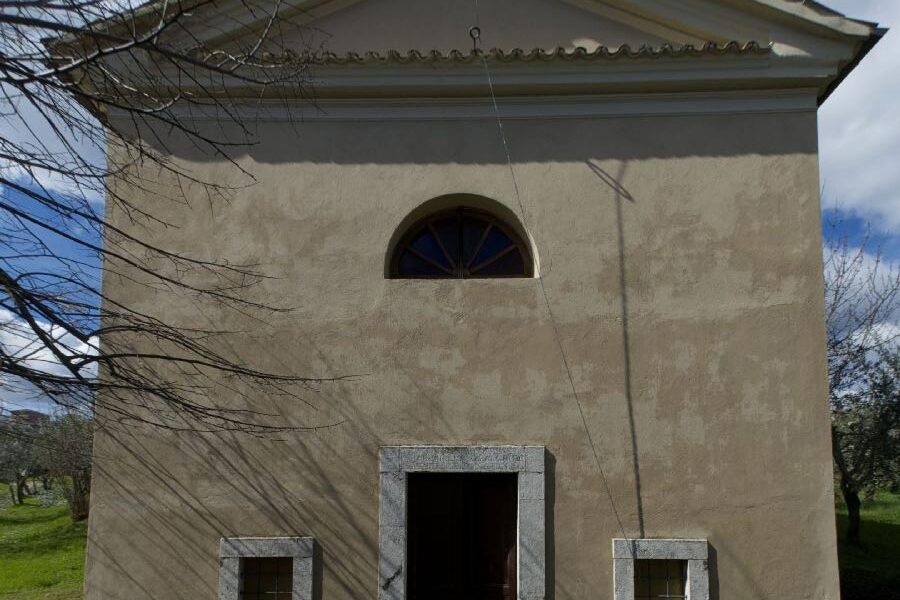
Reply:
x=828, y=21
x=865, y=48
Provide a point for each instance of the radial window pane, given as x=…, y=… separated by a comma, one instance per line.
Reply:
x=428, y=248
x=416, y=267
x=500, y=266
x=494, y=243
x=472, y=234
x=448, y=233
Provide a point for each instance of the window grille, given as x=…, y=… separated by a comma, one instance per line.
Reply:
x=267, y=578
x=660, y=579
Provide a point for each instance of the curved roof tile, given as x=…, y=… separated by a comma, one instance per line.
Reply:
x=537, y=54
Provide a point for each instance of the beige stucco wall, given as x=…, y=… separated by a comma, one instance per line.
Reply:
x=715, y=344
x=383, y=25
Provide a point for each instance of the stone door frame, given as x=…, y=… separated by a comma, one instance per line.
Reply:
x=396, y=462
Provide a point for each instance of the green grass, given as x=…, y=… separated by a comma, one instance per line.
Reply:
x=872, y=571
x=880, y=536
x=41, y=553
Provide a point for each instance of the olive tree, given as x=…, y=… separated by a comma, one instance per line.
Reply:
x=64, y=451
x=861, y=293
x=19, y=455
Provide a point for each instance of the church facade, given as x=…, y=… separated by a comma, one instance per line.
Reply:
x=569, y=253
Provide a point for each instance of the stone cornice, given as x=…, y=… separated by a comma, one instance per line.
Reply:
x=755, y=69
x=560, y=73
x=519, y=108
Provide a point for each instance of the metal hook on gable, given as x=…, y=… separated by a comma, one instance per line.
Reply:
x=475, y=34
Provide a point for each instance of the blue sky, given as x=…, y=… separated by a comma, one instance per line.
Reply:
x=859, y=136
x=17, y=339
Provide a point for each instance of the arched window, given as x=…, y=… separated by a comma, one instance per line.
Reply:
x=463, y=243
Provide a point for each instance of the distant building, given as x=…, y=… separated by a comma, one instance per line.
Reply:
x=29, y=417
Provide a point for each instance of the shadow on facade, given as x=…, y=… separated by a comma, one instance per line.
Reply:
x=173, y=529
x=163, y=517
x=475, y=142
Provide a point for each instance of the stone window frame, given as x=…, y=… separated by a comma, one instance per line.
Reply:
x=233, y=549
x=396, y=462
x=695, y=552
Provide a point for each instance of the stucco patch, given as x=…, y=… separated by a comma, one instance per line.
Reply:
x=527, y=461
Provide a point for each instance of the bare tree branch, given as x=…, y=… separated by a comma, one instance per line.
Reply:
x=65, y=65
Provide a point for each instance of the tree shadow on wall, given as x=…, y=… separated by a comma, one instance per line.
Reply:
x=169, y=497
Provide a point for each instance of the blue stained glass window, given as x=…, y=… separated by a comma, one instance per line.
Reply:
x=462, y=243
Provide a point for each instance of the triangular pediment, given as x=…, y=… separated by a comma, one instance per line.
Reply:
x=425, y=25
x=737, y=44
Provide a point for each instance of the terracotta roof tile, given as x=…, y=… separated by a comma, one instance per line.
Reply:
x=537, y=54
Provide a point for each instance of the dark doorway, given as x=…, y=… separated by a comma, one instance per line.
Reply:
x=462, y=536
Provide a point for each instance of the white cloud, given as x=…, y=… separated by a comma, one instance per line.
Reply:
x=860, y=126
x=24, y=130
x=865, y=278
x=51, y=181
x=19, y=341
x=886, y=333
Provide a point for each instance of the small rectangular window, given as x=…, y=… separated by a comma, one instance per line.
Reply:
x=266, y=578
x=660, y=579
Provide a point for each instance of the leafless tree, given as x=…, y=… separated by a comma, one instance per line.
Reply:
x=64, y=66
x=862, y=291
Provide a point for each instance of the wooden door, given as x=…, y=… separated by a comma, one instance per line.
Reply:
x=461, y=531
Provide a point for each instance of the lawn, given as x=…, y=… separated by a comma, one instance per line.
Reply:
x=873, y=571
x=41, y=553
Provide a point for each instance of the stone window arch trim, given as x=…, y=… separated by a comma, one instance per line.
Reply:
x=694, y=551
x=396, y=462
x=233, y=549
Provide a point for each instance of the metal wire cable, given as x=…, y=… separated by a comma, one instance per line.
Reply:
x=476, y=39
